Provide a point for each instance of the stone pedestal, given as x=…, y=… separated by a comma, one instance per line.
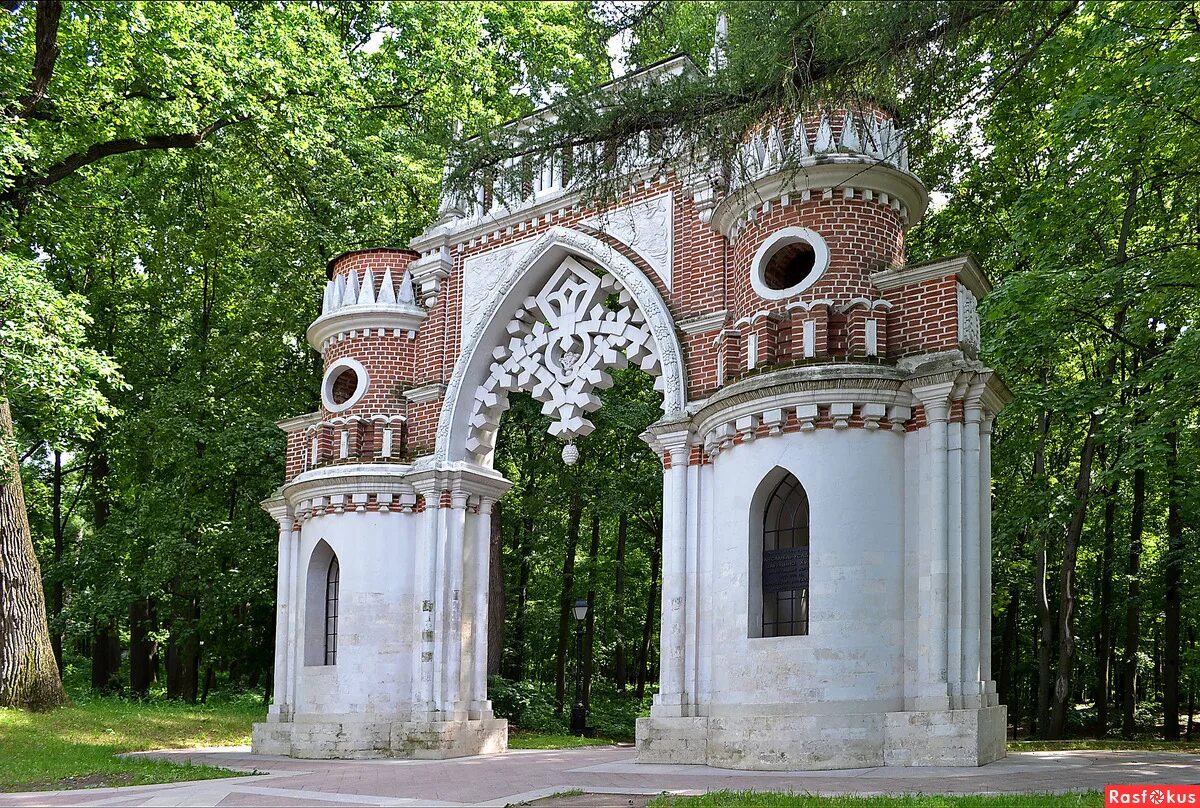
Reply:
x=835, y=741
x=362, y=738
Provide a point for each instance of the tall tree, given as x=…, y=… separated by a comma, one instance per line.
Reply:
x=45, y=368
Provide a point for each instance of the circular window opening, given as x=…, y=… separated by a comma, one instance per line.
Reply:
x=788, y=262
x=789, y=266
x=344, y=385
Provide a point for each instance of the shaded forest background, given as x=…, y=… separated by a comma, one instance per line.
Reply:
x=174, y=177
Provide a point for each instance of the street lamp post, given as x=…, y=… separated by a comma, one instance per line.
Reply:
x=578, y=710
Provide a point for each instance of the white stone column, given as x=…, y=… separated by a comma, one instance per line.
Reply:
x=990, y=698
x=424, y=675
x=452, y=635
x=672, y=699
x=971, y=598
x=704, y=546
x=281, y=708
x=932, y=689
x=482, y=548
x=955, y=591
x=691, y=588
x=296, y=568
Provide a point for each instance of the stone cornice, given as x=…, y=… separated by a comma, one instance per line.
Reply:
x=963, y=267
x=357, y=478
x=817, y=384
x=817, y=174
x=388, y=316
x=425, y=393
x=704, y=322
x=300, y=422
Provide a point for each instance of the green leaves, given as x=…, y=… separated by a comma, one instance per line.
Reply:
x=49, y=374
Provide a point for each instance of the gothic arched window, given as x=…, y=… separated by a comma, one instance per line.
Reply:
x=785, y=561
x=331, y=611
x=322, y=591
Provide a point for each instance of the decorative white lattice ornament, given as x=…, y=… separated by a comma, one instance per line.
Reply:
x=562, y=342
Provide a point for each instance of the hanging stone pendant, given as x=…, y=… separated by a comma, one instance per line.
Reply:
x=570, y=454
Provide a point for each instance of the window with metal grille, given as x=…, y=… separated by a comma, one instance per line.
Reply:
x=332, y=579
x=785, y=561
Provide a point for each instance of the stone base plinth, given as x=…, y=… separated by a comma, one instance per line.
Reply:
x=359, y=739
x=835, y=741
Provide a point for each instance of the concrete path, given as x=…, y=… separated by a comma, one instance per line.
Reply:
x=522, y=776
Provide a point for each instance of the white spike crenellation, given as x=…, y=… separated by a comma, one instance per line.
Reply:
x=327, y=302
x=387, y=288
x=339, y=292
x=351, y=297
x=407, y=294
x=850, y=139
x=367, y=296
x=824, y=140
x=799, y=147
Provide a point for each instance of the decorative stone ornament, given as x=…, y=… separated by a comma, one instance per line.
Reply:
x=825, y=445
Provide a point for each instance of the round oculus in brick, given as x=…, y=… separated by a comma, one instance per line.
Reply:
x=344, y=384
x=788, y=262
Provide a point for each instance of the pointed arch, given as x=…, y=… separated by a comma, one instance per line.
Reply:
x=526, y=278
x=779, y=557
x=322, y=605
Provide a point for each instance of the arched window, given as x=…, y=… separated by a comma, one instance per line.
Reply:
x=784, y=568
x=331, y=612
x=322, y=593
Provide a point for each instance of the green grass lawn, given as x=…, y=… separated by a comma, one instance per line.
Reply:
x=528, y=739
x=1106, y=745
x=752, y=799
x=76, y=746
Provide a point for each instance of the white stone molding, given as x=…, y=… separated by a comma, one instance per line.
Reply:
x=494, y=342
x=647, y=227
x=704, y=323
x=888, y=185
x=968, y=319
x=351, y=321
x=483, y=275
x=425, y=393
x=963, y=267
x=777, y=241
x=331, y=376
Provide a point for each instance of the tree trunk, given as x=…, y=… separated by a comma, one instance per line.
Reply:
x=1066, y=609
x=106, y=659
x=589, y=631
x=57, y=588
x=1173, y=591
x=28, y=674
x=565, y=603
x=648, y=625
x=1191, y=710
x=1008, y=658
x=1104, y=639
x=183, y=658
x=525, y=542
x=1129, y=660
x=141, y=648
x=619, y=604
x=496, y=606
x=1042, y=601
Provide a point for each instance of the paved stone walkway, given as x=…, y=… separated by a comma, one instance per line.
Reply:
x=521, y=776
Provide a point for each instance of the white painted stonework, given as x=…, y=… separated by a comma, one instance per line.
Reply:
x=890, y=446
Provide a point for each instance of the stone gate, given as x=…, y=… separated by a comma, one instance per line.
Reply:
x=825, y=443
